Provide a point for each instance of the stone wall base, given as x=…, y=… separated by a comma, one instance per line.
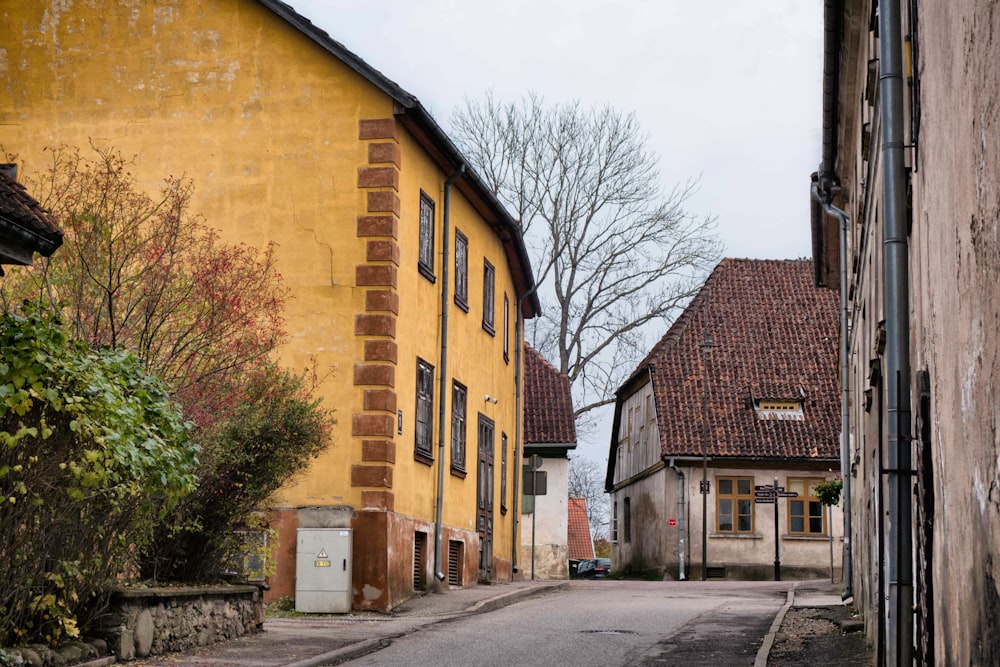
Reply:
x=155, y=621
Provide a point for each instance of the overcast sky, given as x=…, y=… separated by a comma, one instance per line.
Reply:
x=728, y=91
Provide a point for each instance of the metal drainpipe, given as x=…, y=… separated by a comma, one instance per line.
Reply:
x=845, y=387
x=897, y=299
x=680, y=513
x=518, y=431
x=518, y=343
x=438, y=566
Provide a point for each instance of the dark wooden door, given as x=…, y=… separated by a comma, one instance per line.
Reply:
x=484, y=497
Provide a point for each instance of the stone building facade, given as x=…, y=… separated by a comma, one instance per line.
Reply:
x=911, y=154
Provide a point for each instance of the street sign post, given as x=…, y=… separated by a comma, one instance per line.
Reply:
x=768, y=494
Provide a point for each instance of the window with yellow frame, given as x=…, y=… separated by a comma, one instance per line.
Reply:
x=805, y=512
x=734, y=504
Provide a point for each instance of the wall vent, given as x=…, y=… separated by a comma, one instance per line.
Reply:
x=419, y=560
x=456, y=553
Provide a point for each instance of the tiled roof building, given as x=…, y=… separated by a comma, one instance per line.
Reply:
x=578, y=539
x=740, y=395
x=549, y=435
x=548, y=402
x=772, y=341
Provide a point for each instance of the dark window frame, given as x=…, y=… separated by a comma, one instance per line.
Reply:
x=461, y=270
x=459, y=430
x=489, y=297
x=627, y=519
x=425, y=244
x=424, y=413
x=506, y=328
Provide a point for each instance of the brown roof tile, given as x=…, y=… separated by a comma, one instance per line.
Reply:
x=578, y=530
x=774, y=336
x=548, y=402
x=28, y=223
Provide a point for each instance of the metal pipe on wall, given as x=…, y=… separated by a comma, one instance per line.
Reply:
x=681, y=513
x=443, y=371
x=845, y=388
x=897, y=302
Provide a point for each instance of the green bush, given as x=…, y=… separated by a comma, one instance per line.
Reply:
x=93, y=456
x=828, y=491
x=248, y=455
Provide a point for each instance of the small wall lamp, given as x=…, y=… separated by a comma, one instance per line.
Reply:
x=491, y=399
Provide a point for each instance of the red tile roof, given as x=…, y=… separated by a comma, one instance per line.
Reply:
x=774, y=336
x=578, y=531
x=548, y=402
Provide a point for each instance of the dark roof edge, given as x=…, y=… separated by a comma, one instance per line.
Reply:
x=690, y=458
x=44, y=245
x=408, y=104
x=327, y=43
x=549, y=451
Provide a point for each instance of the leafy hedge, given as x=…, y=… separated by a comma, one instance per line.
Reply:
x=247, y=455
x=93, y=456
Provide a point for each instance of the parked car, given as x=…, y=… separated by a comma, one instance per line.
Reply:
x=595, y=568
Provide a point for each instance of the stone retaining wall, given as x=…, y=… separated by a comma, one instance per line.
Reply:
x=154, y=621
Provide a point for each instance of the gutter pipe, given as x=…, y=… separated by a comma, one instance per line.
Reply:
x=438, y=565
x=831, y=74
x=897, y=298
x=681, y=527
x=518, y=430
x=845, y=380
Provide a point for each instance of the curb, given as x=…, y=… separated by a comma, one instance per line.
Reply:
x=367, y=646
x=505, y=599
x=348, y=652
x=765, y=647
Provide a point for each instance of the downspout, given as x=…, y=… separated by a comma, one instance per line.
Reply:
x=897, y=299
x=438, y=565
x=845, y=379
x=518, y=430
x=832, y=38
x=681, y=513
x=518, y=342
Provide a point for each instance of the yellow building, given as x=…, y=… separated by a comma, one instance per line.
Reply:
x=410, y=282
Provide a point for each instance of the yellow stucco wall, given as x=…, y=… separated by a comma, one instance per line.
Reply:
x=266, y=124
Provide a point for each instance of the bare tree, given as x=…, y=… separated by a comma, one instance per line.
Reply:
x=610, y=247
x=586, y=480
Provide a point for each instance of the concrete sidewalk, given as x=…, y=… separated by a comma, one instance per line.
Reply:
x=318, y=640
x=815, y=627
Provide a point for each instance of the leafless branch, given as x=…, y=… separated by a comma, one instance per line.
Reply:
x=612, y=250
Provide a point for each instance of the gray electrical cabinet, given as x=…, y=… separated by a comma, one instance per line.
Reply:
x=323, y=571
